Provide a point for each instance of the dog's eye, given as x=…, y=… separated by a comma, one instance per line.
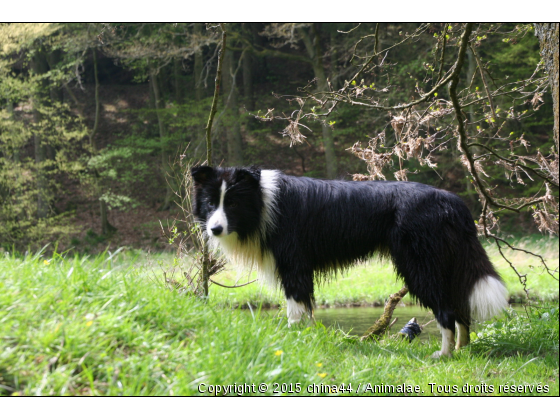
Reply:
x=233, y=204
x=211, y=206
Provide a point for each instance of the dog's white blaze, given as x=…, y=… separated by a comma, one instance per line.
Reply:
x=219, y=216
x=488, y=298
x=249, y=255
x=447, y=343
x=295, y=311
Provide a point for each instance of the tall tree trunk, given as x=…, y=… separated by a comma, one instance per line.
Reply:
x=313, y=45
x=166, y=169
x=106, y=227
x=229, y=96
x=93, y=131
x=152, y=117
x=198, y=150
x=39, y=66
x=198, y=65
x=548, y=34
x=248, y=76
x=253, y=66
x=248, y=80
x=470, y=73
x=259, y=66
x=16, y=150
x=334, y=61
x=53, y=58
x=56, y=95
x=177, y=84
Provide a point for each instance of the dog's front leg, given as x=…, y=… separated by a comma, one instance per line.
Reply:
x=295, y=310
x=297, y=283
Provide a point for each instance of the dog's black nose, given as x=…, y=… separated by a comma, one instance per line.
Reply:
x=217, y=230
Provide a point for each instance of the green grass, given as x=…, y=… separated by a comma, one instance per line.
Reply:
x=104, y=325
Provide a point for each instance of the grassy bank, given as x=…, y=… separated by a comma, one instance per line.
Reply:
x=103, y=326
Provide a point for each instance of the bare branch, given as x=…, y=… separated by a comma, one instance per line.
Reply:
x=347, y=32
x=206, y=254
x=382, y=324
x=442, y=56
x=233, y=287
x=485, y=83
x=514, y=162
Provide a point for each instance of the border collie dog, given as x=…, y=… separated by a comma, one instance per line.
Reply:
x=295, y=230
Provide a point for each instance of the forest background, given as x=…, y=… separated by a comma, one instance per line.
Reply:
x=98, y=121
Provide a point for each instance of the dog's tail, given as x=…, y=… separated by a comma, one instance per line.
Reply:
x=488, y=298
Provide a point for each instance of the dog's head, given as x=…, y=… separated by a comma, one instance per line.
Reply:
x=227, y=200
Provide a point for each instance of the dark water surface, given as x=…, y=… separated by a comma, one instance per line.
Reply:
x=356, y=321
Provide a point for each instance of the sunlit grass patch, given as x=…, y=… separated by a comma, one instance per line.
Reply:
x=533, y=332
x=539, y=282
x=106, y=325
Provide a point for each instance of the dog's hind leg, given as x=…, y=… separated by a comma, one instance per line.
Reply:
x=463, y=336
x=446, y=322
x=447, y=343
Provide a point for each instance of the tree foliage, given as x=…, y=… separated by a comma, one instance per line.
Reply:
x=93, y=116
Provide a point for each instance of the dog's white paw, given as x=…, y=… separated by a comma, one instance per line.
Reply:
x=438, y=354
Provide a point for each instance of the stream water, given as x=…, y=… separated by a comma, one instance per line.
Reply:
x=356, y=321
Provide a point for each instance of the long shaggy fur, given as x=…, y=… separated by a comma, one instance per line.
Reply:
x=295, y=230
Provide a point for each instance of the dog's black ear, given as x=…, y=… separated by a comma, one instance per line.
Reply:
x=251, y=174
x=201, y=174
